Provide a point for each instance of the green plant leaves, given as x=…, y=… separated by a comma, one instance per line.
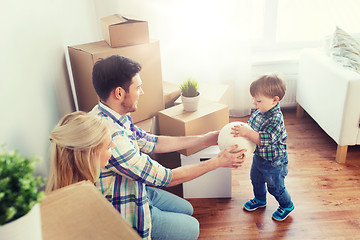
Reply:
x=189, y=88
x=18, y=186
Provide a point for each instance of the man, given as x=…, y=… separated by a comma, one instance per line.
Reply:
x=127, y=178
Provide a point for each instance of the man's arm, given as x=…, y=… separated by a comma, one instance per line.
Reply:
x=171, y=144
x=225, y=158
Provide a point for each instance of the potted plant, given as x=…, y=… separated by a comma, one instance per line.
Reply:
x=190, y=95
x=19, y=193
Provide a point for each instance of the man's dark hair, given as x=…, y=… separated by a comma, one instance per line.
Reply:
x=114, y=71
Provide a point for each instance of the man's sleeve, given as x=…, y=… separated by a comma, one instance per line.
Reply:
x=145, y=141
x=130, y=162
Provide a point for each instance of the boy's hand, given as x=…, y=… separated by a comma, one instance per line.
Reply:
x=240, y=130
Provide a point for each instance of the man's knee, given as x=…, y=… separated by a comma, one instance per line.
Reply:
x=188, y=208
x=174, y=226
x=194, y=229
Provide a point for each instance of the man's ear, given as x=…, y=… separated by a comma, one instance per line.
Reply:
x=119, y=92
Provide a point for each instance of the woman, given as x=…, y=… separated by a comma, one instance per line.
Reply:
x=80, y=145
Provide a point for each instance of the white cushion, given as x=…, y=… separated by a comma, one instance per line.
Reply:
x=345, y=50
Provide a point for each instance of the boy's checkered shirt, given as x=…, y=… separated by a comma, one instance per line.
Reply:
x=270, y=126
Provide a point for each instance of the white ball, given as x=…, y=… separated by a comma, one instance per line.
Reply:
x=226, y=139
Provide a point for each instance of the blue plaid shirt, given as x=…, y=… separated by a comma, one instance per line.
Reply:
x=129, y=170
x=270, y=126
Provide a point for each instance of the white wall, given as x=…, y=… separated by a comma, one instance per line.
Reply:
x=288, y=67
x=204, y=39
x=208, y=40
x=34, y=82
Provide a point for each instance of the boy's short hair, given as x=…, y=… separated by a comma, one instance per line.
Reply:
x=269, y=85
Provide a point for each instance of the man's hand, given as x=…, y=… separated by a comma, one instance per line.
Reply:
x=210, y=138
x=229, y=158
x=226, y=158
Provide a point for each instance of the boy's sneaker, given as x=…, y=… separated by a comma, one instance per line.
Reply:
x=254, y=204
x=282, y=213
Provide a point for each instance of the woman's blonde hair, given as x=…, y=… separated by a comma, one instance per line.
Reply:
x=75, y=144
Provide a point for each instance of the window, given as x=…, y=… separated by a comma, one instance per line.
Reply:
x=301, y=23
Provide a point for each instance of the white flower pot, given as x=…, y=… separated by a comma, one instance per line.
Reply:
x=190, y=103
x=26, y=227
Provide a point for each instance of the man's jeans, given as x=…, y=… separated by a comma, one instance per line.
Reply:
x=273, y=174
x=171, y=216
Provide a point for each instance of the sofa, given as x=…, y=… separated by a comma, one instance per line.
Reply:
x=330, y=94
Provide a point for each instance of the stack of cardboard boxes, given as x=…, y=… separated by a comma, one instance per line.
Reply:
x=210, y=116
x=128, y=37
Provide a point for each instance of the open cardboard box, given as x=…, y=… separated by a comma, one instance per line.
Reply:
x=210, y=116
x=121, y=31
x=80, y=212
x=171, y=93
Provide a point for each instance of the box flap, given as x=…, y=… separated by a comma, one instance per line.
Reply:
x=117, y=19
x=93, y=47
x=113, y=19
x=132, y=18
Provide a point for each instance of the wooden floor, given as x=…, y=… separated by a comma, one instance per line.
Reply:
x=326, y=194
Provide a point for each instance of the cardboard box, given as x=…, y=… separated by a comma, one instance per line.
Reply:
x=146, y=124
x=214, y=184
x=149, y=125
x=79, y=211
x=171, y=93
x=175, y=121
x=83, y=57
x=121, y=31
x=213, y=92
